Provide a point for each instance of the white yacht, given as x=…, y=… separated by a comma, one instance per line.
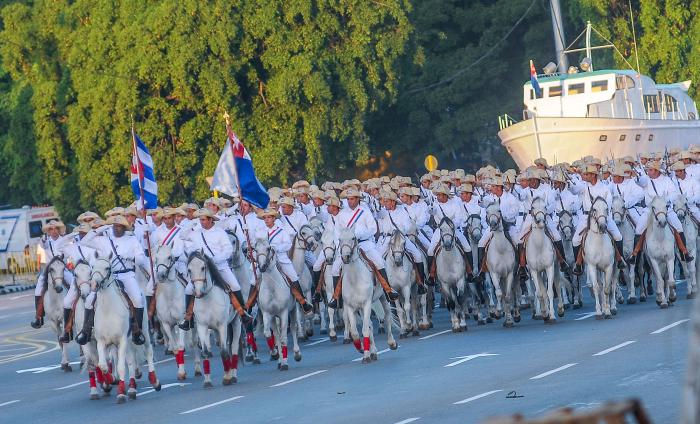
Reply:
x=603, y=113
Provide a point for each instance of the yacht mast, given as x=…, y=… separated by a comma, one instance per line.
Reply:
x=559, y=36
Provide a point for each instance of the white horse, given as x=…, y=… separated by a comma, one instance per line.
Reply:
x=276, y=303
x=690, y=228
x=53, y=303
x=170, y=309
x=400, y=271
x=213, y=311
x=500, y=261
x=450, y=272
x=599, y=256
x=243, y=270
x=303, y=244
x=359, y=292
x=660, y=251
x=112, y=328
x=570, y=289
x=623, y=222
x=543, y=264
x=83, y=281
x=328, y=246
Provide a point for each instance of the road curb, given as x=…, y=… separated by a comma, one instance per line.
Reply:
x=8, y=290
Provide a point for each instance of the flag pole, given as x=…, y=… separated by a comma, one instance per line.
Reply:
x=143, y=208
x=229, y=132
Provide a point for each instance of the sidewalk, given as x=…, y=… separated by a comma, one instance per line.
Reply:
x=19, y=283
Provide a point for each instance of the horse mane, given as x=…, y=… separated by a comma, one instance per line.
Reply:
x=211, y=267
x=539, y=202
x=448, y=221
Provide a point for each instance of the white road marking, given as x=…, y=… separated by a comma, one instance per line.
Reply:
x=72, y=385
x=462, y=359
x=163, y=386
x=164, y=360
x=408, y=420
x=585, y=316
x=20, y=296
x=467, y=400
x=316, y=342
x=433, y=335
x=211, y=404
x=311, y=374
x=16, y=349
x=38, y=370
x=378, y=353
x=9, y=403
x=608, y=350
x=550, y=372
x=662, y=329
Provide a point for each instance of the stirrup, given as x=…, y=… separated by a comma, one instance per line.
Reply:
x=83, y=337
x=578, y=270
x=687, y=257
x=421, y=289
x=65, y=337
x=37, y=323
x=138, y=338
x=392, y=295
x=184, y=325
x=333, y=303
x=308, y=309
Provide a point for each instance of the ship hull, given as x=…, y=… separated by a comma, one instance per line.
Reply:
x=568, y=139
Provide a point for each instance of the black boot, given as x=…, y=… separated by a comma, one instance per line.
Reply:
x=316, y=276
x=39, y=308
x=430, y=281
x=186, y=323
x=136, y=331
x=391, y=294
x=559, y=245
x=86, y=333
x=67, y=335
x=246, y=318
x=481, y=255
x=421, y=276
x=621, y=263
x=522, y=271
x=686, y=257
x=470, y=259
x=578, y=268
x=633, y=258
x=334, y=302
x=305, y=306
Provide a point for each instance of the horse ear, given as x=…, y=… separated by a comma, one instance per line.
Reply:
x=96, y=255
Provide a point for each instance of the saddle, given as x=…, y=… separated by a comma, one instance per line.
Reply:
x=467, y=265
x=126, y=297
x=216, y=275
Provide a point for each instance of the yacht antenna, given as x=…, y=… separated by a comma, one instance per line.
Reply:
x=634, y=36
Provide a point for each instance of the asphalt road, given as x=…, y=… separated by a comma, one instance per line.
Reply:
x=436, y=377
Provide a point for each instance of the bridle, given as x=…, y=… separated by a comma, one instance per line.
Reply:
x=497, y=216
x=570, y=225
x=206, y=289
x=329, y=253
x=100, y=282
x=473, y=225
x=58, y=281
x=446, y=236
x=657, y=214
x=402, y=253
x=344, y=247
x=593, y=214
x=263, y=259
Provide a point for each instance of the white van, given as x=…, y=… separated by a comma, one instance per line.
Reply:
x=20, y=231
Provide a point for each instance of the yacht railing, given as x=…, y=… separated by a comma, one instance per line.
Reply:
x=505, y=121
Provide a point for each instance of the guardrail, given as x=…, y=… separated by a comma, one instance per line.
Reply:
x=505, y=121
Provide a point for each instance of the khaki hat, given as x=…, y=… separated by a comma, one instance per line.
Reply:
x=426, y=177
x=459, y=173
x=646, y=155
x=628, y=159
x=87, y=215
x=384, y=179
x=387, y=195
x=594, y=161
x=352, y=192
x=268, y=212
x=301, y=187
x=180, y=211
x=212, y=201
x=54, y=223
x=678, y=166
x=653, y=164
x=317, y=194
x=157, y=212
x=558, y=176
x=97, y=223
x=131, y=210
x=119, y=220
x=685, y=155
x=621, y=170
x=287, y=201
x=541, y=161
x=407, y=191
x=441, y=189
x=334, y=201
x=168, y=211
x=225, y=203
x=415, y=191
x=373, y=185
x=114, y=211
x=496, y=181
x=590, y=169
x=82, y=228
x=466, y=188
x=206, y=213
x=469, y=178
x=694, y=148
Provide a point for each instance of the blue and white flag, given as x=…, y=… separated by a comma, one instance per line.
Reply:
x=533, y=80
x=142, y=176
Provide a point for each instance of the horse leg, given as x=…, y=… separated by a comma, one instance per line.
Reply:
x=387, y=324
x=592, y=275
x=224, y=331
x=551, y=315
x=414, y=312
x=608, y=294
x=660, y=282
x=121, y=369
x=671, y=284
x=295, y=347
x=537, y=303
x=235, y=346
x=283, y=324
x=499, y=294
x=176, y=343
x=204, y=340
x=367, y=329
x=351, y=327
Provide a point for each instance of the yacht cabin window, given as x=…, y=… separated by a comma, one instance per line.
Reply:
x=624, y=81
x=671, y=103
x=598, y=86
x=651, y=103
x=576, y=89
x=555, y=91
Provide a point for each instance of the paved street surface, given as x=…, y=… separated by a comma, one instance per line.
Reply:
x=437, y=377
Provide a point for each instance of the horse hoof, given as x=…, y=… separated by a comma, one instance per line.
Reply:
x=334, y=338
x=496, y=315
x=613, y=311
x=567, y=306
x=121, y=399
x=580, y=303
x=455, y=329
x=607, y=316
x=274, y=357
x=138, y=374
x=560, y=313
x=132, y=395
x=226, y=381
x=550, y=321
x=482, y=322
x=197, y=373
x=381, y=330
x=347, y=341
x=598, y=317
x=577, y=306
x=663, y=306
x=415, y=333
x=297, y=356
x=489, y=320
x=67, y=368
x=672, y=298
x=168, y=352
x=493, y=315
x=256, y=361
x=393, y=345
x=106, y=388
x=402, y=335
x=207, y=385
x=323, y=331
x=317, y=320
x=157, y=386
x=284, y=367
x=366, y=360
x=631, y=300
x=422, y=327
x=620, y=300
x=234, y=380
x=658, y=303
x=690, y=296
x=508, y=324
x=310, y=332
x=517, y=318
x=373, y=356
x=182, y=376
x=94, y=396
x=249, y=358
x=430, y=325
x=537, y=317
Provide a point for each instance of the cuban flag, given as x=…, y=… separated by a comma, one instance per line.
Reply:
x=235, y=159
x=142, y=176
x=534, y=82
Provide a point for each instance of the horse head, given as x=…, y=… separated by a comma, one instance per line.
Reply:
x=197, y=268
x=618, y=210
x=328, y=244
x=474, y=226
x=307, y=235
x=263, y=253
x=599, y=214
x=447, y=233
x=237, y=257
x=347, y=245
x=493, y=216
x=83, y=278
x=101, y=269
x=566, y=224
x=659, y=211
x=163, y=262
x=397, y=247
x=538, y=210
x=680, y=206
x=54, y=273
x=316, y=225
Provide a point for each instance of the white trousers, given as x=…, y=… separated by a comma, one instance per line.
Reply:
x=512, y=232
x=410, y=247
x=671, y=217
x=370, y=250
x=583, y=223
x=229, y=277
x=435, y=240
x=131, y=286
x=286, y=266
x=318, y=263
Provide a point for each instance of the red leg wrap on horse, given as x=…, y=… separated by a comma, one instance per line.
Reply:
x=132, y=383
x=284, y=352
x=180, y=357
x=100, y=376
x=109, y=379
x=357, y=344
x=207, y=369
x=365, y=342
x=92, y=378
x=152, y=377
x=250, y=338
x=271, y=342
x=109, y=367
x=234, y=362
x=122, y=387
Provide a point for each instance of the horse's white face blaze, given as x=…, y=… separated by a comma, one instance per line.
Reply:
x=55, y=274
x=328, y=243
x=346, y=244
x=82, y=274
x=398, y=247
x=198, y=274
x=163, y=262
x=447, y=235
x=262, y=253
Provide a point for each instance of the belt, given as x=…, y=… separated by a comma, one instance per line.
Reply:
x=124, y=271
x=360, y=241
x=585, y=212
